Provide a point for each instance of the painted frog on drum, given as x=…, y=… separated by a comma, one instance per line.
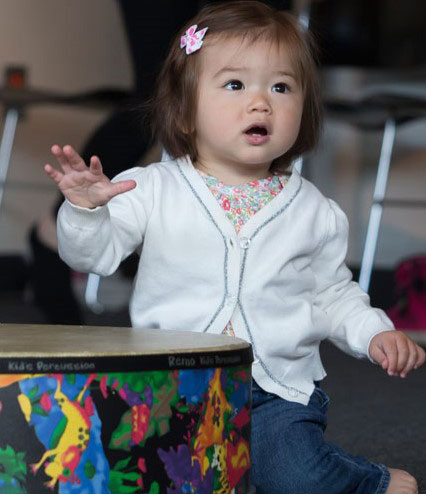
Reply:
x=74, y=438
x=181, y=431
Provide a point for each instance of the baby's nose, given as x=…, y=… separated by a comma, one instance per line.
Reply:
x=260, y=103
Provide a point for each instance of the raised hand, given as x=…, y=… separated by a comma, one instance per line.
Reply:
x=84, y=186
x=396, y=353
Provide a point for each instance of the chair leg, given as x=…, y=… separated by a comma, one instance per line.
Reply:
x=91, y=293
x=9, y=130
x=302, y=10
x=377, y=206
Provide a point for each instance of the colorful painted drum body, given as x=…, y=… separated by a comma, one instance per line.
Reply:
x=118, y=410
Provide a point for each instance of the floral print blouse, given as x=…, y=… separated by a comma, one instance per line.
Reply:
x=240, y=202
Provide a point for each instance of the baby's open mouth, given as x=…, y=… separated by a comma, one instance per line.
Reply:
x=257, y=130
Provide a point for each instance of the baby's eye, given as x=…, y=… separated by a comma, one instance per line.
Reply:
x=234, y=85
x=281, y=87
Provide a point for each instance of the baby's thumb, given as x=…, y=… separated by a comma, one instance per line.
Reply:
x=379, y=356
x=121, y=187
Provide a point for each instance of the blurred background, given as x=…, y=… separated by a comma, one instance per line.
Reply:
x=63, y=46
x=74, y=47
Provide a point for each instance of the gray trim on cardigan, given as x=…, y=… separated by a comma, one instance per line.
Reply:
x=290, y=389
x=225, y=261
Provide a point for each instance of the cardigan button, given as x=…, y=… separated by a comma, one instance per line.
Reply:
x=293, y=392
x=244, y=242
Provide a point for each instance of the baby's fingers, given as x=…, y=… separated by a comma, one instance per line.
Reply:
x=411, y=359
x=74, y=160
x=390, y=349
x=54, y=174
x=405, y=347
x=121, y=187
x=95, y=165
x=61, y=158
x=379, y=356
x=421, y=357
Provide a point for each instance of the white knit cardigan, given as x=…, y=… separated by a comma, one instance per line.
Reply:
x=281, y=281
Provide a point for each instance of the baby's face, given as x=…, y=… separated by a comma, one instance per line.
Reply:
x=249, y=105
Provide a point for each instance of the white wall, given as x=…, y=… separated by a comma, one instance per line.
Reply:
x=70, y=46
x=67, y=44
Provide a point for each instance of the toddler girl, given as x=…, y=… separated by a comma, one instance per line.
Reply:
x=230, y=239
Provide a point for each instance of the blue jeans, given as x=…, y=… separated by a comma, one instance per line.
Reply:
x=290, y=455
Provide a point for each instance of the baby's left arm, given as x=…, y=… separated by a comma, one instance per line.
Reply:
x=396, y=353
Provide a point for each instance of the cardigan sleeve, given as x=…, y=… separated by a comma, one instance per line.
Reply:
x=353, y=321
x=97, y=240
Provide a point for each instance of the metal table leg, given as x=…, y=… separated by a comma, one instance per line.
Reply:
x=377, y=207
x=6, y=144
x=91, y=293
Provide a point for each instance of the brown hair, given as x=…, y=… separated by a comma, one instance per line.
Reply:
x=172, y=109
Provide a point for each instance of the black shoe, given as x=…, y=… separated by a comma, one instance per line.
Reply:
x=51, y=285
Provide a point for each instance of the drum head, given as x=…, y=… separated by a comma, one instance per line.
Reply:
x=35, y=348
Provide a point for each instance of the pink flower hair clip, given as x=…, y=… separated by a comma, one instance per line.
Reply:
x=192, y=40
